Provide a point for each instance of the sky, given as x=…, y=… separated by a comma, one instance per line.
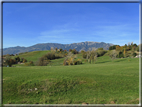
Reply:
x=27, y=24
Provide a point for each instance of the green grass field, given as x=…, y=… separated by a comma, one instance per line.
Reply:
x=105, y=82
x=32, y=56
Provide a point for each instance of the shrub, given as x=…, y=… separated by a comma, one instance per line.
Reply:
x=84, y=55
x=101, y=52
x=134, y=54
x=29, y=63
x=112, y=47
x=9, y=61
x=24, y=60
x=71, y=61
x=65, y=62
x=70, y=50
x=43, y=61
x=17, y=59
x=78, y=62
x=82, y=51
x=120, y=55
x=113, y=54
x=74, y=51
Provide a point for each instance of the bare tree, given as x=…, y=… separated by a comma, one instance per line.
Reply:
x=91, y=56
x=52, y=49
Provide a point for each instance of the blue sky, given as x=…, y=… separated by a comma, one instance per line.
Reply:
x=27, y=24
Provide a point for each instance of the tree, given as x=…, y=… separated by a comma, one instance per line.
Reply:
x=56, y=49
x=113, y=47
x=113, y=54
x=84, y=54
x=82, y=51
x=65, y=50
x=91, y=56
x=17, y=59
x=74, y=51
x=43, y=61
x=137, y=49
x=118, y=48
x=52, y=49
x=120, y=54
x=70, y=60
x=135, y=45
x=60, y=49
x=133, y=54
x=101, y=52
x=125, y=45
x=88, y=54
x=124, y=52
x=24, y=60
x=9, y=61
x=70, y=50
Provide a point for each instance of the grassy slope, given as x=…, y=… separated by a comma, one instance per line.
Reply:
x=33, y=56
x=104, y=82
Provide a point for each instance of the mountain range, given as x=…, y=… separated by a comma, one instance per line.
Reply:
x=47, y=46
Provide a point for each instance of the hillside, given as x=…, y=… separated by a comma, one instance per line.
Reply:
x=47, y=46
x=105, y=82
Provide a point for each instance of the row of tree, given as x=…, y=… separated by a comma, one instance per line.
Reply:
x=8, y=61
x=74, y=51
x=91, y=56
x=126, y=47
x=124, y=51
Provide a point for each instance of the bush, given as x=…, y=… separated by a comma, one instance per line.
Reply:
x=24, y=60
x=9, y=61
x=65, y=62
x=74, y=51
x=134, y=54
x=101, y=52
x=43, y=61
x=112, y=47
x=52, y=55
x=17, y=59
x=71, y=61
x=77, y=62
x=120, y=55
x=84, y=55
x=113, y=54
x=29, y=63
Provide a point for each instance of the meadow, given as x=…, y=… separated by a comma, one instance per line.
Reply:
x=105, y=82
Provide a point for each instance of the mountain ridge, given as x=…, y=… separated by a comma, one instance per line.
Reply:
x=87, y=45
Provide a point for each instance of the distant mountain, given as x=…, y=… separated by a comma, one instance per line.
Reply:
x=47, y=46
